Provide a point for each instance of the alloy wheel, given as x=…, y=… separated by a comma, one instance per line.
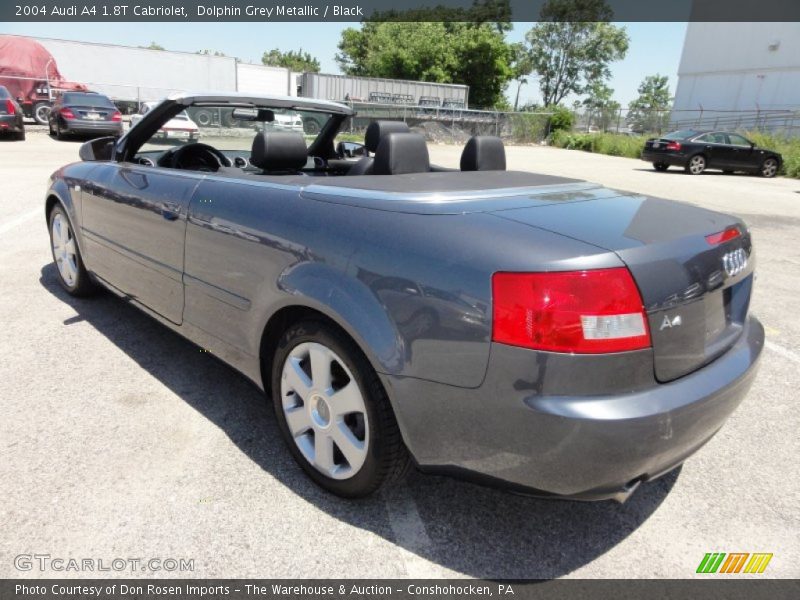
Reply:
x=64, y=250
x=325, y=410
x=769, y=168
x=697, y=164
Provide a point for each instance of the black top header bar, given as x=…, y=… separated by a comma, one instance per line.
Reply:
x=399, y=10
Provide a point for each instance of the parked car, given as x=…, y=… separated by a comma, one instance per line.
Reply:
x=84, y=113
x=287, y=122
x=697, y=151
x=178, y=127
x=520, y=329
x=10, y=116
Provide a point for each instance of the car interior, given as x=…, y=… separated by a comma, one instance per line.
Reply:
x=390, y=148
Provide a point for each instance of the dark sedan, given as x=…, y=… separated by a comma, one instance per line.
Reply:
x=10, y=116
x=697, y=151
x=84, y=113
x=541, y=333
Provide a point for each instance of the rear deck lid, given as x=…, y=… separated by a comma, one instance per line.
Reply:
x=696, y=291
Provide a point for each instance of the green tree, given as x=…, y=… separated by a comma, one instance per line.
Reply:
x=153, y=46
x=475, y=54
x=296, y=61
x=521, y=67
x=603, y=109
x=210, y=53
x=572, y=45
x=650, y=111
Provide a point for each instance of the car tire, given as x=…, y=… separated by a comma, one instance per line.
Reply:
x=660, y=166
x=41, y=112
x=19, y=136
x=352, y=450
x=311, y=126
x=769, y=168
x=696, y=164
x=59, y=133
x=72, y=274
x=203, y=118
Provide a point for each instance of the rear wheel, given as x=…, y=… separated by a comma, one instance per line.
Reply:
x=660, y=166
x=19, y=136
x=696, y=164
x=72, y=274
x=311, y=127
x=769, y=168
x=41, y=112
x=204, y=118
x=334, y=413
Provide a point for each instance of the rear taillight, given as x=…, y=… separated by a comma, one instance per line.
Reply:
x=10, y=108
x=66, y=113
x=673, y=146
x=723, y=236
x=585, y=312
x=117, y=116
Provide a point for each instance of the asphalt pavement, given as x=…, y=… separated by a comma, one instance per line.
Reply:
x=119, y=439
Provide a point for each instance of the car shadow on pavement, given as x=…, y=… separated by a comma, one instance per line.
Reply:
x=477, y=531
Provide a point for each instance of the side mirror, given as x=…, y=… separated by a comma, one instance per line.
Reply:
x=350, y=150
x=98, y=149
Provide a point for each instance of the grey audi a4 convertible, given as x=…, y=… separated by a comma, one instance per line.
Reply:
x=544, y=334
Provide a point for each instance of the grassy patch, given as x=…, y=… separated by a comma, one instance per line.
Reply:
x=631, y=146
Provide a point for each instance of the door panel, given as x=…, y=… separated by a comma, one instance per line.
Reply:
x=135, y=225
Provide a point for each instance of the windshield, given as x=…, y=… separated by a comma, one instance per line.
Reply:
x=87, y=99
x=218, y=127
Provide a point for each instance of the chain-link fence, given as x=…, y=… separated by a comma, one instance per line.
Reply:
x=643, y=122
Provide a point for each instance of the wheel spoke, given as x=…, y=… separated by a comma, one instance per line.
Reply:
x=347, y=400
x=298, y=420
x=320, y=366
x=352, y=448
x=323, y=452
x=70, y=247
x=296, y=378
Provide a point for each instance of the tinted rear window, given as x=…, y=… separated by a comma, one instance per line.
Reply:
x=681, y=134
x=87, y=99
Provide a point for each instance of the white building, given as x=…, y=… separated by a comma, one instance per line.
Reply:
x=744, y=71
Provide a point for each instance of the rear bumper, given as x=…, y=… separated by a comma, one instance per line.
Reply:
x=91, y=127
x=519, y=431
x=11, y=124
x=667, y=158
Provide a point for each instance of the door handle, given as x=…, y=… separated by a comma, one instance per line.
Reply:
x=170, y=211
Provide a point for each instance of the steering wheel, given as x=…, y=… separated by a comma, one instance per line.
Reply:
x=196, y=157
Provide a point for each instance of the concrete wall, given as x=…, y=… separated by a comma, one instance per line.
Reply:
x=740, y=66
x=126, y=73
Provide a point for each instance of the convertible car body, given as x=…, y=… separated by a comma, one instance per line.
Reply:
x=544, y=334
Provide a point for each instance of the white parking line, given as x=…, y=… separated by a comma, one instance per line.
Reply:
x=784, y=352
x=21, y=219
x=409, y=533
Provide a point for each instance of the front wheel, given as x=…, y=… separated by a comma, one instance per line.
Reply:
x=334, y=413
x=696, y=164
x=769, y=168
x=72, y=274
x=660, y=166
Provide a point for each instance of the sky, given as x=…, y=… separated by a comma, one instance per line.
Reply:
x=654, y=47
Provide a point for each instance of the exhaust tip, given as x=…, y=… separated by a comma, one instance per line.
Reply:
x=625, y=493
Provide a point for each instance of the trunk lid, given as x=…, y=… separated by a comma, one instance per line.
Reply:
x=696, y=293
x=94, y=113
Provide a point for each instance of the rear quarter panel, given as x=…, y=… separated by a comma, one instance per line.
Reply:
x=253, y=248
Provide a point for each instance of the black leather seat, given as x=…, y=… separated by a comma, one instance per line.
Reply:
x=376, y=131
x=279, y=151
x=400, y=153
x=484, y=153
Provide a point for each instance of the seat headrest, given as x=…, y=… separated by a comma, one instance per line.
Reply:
x=377, y=130
x=484, y=153
x=400, y=153
x=279, y=151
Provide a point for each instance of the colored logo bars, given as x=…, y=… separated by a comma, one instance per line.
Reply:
x=735, y=562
